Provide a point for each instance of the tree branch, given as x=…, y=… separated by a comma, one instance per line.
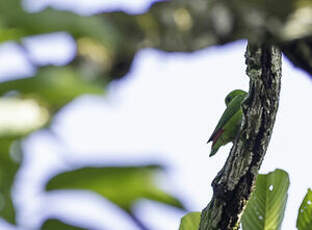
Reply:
x=233, y=184
x=183, y=25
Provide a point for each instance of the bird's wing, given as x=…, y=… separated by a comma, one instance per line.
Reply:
x=230, y=110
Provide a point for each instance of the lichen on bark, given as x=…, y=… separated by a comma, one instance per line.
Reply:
x=234, y=183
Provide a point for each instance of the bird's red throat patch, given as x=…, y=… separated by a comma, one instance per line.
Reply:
x=217, y=135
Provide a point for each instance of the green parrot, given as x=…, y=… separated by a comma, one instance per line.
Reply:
x=230, y=121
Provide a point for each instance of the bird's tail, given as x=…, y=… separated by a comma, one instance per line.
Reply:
x=213, y=151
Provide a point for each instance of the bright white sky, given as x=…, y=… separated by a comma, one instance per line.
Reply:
x=163, y=111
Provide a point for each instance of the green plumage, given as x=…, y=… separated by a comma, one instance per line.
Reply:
x=228, y=126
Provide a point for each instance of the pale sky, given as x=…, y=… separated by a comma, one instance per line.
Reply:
x=164, y=111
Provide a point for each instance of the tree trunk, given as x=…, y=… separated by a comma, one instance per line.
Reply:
x=234, y=183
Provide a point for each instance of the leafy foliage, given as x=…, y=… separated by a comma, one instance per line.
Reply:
x=50, y=20
x=53, y=87
x=304, y=219
x=266, y=207
x=53, y=224
x=190, y=221
x=8, y=169
x=12, y=124
x=121, y=185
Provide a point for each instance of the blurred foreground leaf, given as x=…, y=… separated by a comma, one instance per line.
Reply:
x=13, y=16
x=53, y=224
x=18, y=118
x=52, y=86
x=12, y=124
x=8, y=169
x=121, y=185
x=190, y=221
x=266, y=206
x=16, y=24
x=304, y=219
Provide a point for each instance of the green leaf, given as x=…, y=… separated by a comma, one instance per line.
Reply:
x=190, y=221
x=53, y=86
x=121, y=185
x=265, y=209
x=8, y=169
x=13, y=16
x=304, y=219
x=12, y=124
x=54, y=224
x=9, y=34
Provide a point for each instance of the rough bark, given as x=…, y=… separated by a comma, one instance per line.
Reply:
x=234, y=183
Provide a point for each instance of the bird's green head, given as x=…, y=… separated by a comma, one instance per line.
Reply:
x=233, y=94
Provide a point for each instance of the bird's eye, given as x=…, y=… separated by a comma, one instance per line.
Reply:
x=228, y=99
